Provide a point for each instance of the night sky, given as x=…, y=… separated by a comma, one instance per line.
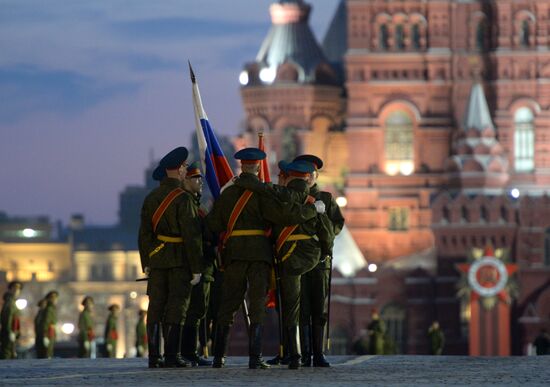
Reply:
x=91, y=90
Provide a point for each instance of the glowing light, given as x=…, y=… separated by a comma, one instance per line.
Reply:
x=21, y=303
x=372, y=267
x=133, y=295
x=392, y=169
x=144, y=304
x=243, y=78
x=341, y=201
x=406, y=168
x=29, y=233
x=515, y=193
x=267, y=74
x=67, y=328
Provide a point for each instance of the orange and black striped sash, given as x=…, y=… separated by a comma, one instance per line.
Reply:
x=164, y=205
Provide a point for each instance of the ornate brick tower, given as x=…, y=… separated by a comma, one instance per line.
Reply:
x=292, y=94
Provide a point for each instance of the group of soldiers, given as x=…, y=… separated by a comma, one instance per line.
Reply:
x=257, y=237
x=45, y=323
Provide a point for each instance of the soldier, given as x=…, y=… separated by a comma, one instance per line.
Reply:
x=376, y=331
x=247, y=253
x=437, y=339
x=315, y=283
x=9, y=321
x=86, y=334
x=38, y=334
x=141, y=334
x=170, y=247
x=200, y=294
x=111, y=333
x=48, y=323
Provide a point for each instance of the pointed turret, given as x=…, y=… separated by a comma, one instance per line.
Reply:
x=477, y=162
x=290, y=53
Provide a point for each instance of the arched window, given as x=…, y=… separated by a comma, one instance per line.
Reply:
x=383, y=37
x=524, y=140
x=480, y=35
x=399, y=37
x=393, y=316
x=524, y=33
x=399, y=143
x=415, y=34
x=289, y=144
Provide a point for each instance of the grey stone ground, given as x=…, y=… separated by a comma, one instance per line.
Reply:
x=346, y=371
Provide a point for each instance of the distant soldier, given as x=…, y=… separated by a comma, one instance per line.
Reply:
x=48, y=323
x=542, y=343
x=200, y=295
x=315, y=283
x=247, y=253
x=111, y=333
x=170, y=247
x=376, y=331
x=86, y=333
x=38, y=333
x=9, y=320
x=437, y=339
x=141, y=334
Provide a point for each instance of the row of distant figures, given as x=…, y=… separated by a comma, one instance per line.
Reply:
x=69, y=349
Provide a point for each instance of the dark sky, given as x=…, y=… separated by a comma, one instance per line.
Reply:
x=89, y=90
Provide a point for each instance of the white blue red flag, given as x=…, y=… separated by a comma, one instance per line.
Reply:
x=216, y=167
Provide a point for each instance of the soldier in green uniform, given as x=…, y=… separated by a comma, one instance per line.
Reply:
x=170, y=247
x=437, y=339
x=315, y=283
x=86, y=333
x=9, y=321
x=141, y=334
x=245, y=217
x=48, y=323
x=376, y=330
x=38, y=334
x=200, y=295
x=111, y=332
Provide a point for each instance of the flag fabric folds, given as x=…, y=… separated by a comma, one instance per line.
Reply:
x=214, y=164
x=264, y=164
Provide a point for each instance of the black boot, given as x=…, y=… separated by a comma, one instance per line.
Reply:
x=294, y=347
x=221, y=338
x=189, y=346
x=153, y=341
x=172, y=346
x=305, y=341
x=255, y=360
x=278, y=359
x=318, y=338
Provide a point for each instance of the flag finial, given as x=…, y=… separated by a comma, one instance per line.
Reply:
x=191, y=72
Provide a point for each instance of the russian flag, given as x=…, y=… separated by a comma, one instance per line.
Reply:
x=216, y=167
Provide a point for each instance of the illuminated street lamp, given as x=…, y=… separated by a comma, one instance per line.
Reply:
x=373, y=267
x=243, y=78
x=29, y=233
x=67, y=328
x=133, y=295
x=341, y=201
x=21, y=303
x=514, y=192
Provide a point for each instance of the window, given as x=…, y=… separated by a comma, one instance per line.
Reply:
x=524, y=33
x=399, y=38
x=398, y=219
x=547, y=247
x=399, y=144
x=415, y=33
x=383, y=37
x=480, y=36
x=524, y=140
x=394, y=318
x=289, y=144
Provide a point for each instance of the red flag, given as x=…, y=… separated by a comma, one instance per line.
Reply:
x=264, y=164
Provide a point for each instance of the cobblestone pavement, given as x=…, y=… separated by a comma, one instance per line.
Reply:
x=346, y=371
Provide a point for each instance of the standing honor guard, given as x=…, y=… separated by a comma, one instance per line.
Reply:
x=245, y=219
x=315, y=299
x=111, y=332
x=170, y=247
x=49, y=322
x=38, y=334
x=86, y=334
x=9, y=321
x=141, y=334
x=200, y=295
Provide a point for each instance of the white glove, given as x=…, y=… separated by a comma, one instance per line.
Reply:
x=319, y=206
x=109, y=347
x=12, y=337
x=46, y=341
x=140, y=348
x=147, y=270
x=87, y=345
x=196, y=279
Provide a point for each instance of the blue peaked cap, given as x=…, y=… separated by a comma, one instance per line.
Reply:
x=316, y=161
x=300, y=166
x=174, y=158
x=250, y=154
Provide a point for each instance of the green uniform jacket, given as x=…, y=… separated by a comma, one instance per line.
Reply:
x=260, y=213
x=111, y=333
x=39, y=335
x=141, y=334
x=8, y=322
x=181, y=219
x=334, y=215
x=209, y=243
x=85, y=326
x=437, y=340
x=47, y=326
x=376, y=330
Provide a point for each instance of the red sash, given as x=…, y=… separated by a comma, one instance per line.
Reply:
x=235, y=213
x=288, y=230
x=164, y=205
